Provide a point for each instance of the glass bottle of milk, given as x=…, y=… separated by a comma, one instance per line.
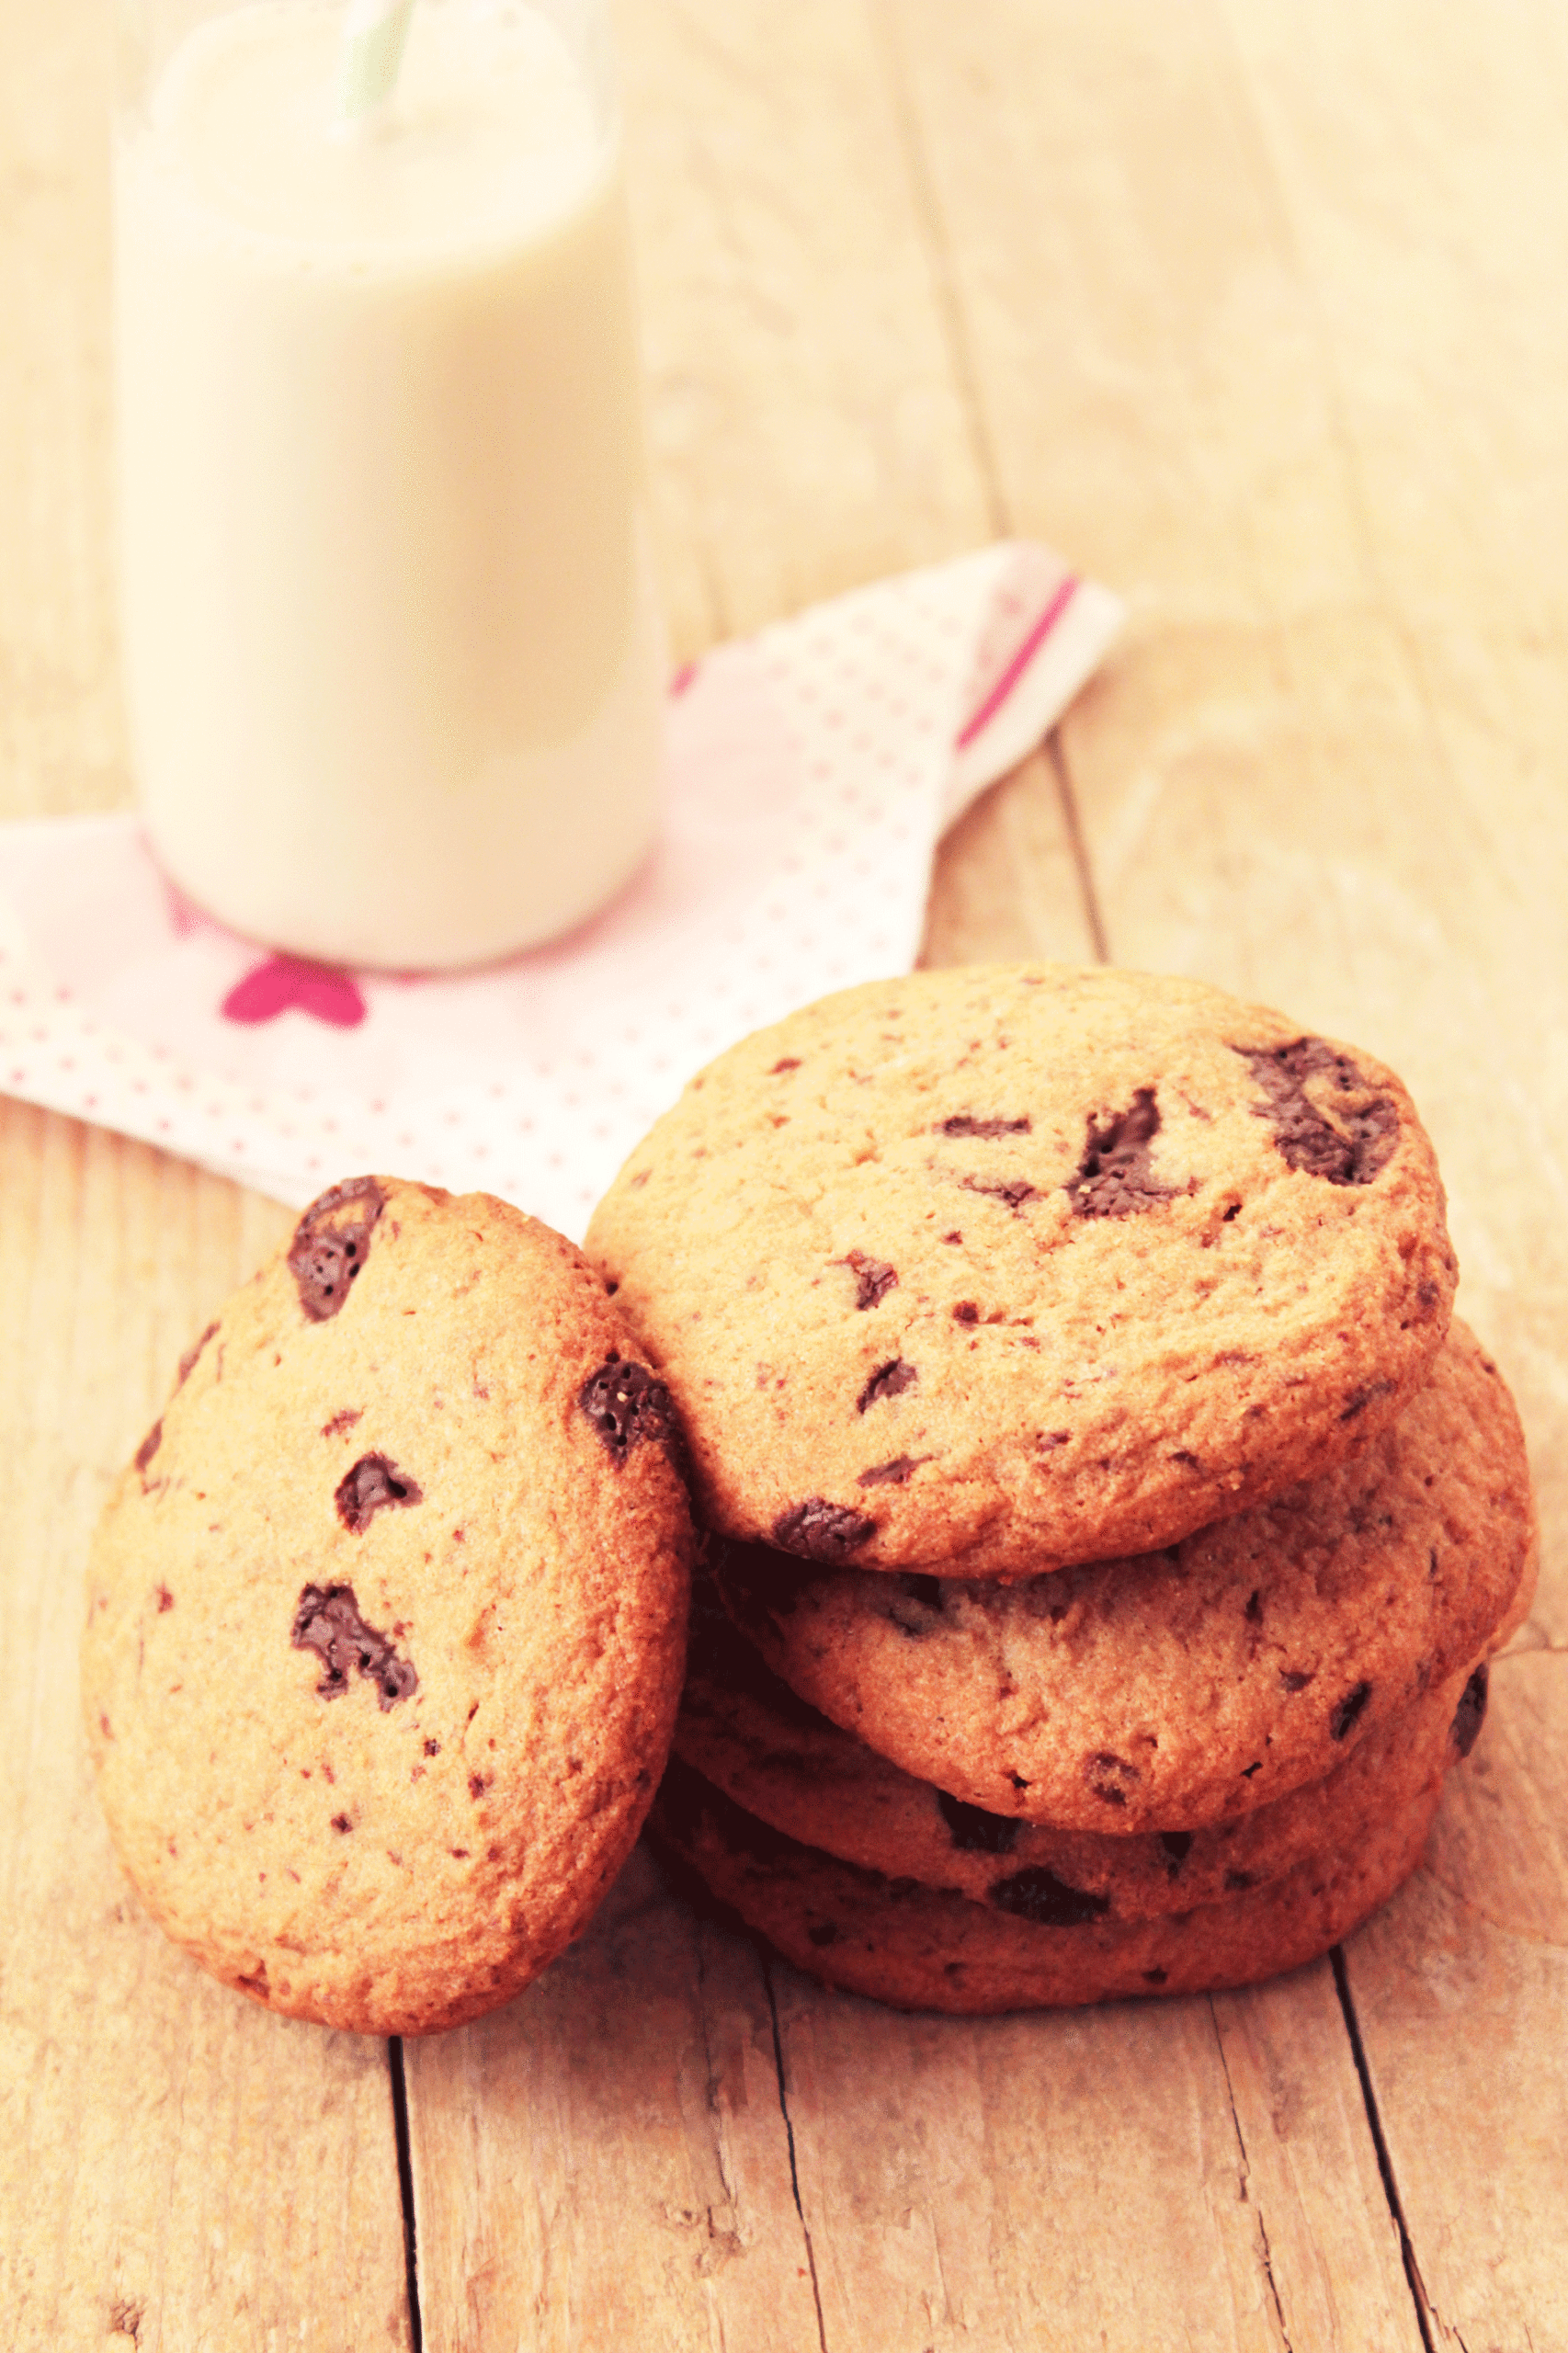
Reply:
x=393, y=663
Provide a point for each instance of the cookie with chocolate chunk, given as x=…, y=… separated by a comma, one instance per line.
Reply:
x=1184, y=1687
x=1008, y=1268
x=777, y=1758
x=918, y=1949
x=386, y=1620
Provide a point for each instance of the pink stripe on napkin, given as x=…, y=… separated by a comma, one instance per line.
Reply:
x=1017, y=666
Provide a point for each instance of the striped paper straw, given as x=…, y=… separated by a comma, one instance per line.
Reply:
x=373, y=35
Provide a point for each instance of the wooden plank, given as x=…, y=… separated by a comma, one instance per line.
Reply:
x=1148, y=2176
x=1325, y=766
x=807, y=431
x=1331, y=2245
x=62, y=744
x=1007, y=884
x=1461, y=1989
x=606, y=2161
x=178, y=2168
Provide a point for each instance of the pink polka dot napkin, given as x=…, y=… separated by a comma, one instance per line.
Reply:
x=811, y=771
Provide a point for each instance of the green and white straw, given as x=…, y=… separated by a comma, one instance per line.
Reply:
x=373, y=34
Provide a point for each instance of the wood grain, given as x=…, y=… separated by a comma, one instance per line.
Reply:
x=61, y=741
x=807, y=429
x=1461, y=1990
x=607, y=2161
x=1149, y=2176
x=1009, y=883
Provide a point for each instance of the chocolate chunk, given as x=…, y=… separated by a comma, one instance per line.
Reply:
x=966, y=1311
x=975, y=1832
x=327, y=1620
x=1347, y=1134
x=375, y=1480
x=1471, y=1713
x=1111, y=1777
x=1178, y=1845
x=1294, y=1678
x=149, y=1445
x=890, y=1380
x=1114, y=1176
x=964, y=1126
x=824, y=1932
x=873, y=1277
x=1349, y=1707
x=331, y=1243
x=819, y=1530
x=1038, y=1895
x=891, y=1474
x=1362, y=1398
x=1015, y=1192
x=628, y=1406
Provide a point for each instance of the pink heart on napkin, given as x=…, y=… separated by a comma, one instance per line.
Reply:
x=272, y=988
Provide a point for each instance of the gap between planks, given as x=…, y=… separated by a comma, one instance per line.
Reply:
x=1385, y=2163
x=405, y=2193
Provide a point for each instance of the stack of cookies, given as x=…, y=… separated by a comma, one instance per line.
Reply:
x=1108, y=1524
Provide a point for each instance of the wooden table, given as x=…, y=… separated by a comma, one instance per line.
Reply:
x=1257, y=313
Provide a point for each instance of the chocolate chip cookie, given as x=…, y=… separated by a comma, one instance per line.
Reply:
x=1184, y=1687
x=919, y=1949
x=386, y=1618
x=1002, y=1269
x=779, y=1759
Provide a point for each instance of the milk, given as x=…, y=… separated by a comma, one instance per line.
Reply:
x=393, y=664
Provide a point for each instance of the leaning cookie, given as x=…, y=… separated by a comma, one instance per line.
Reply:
x=1001, y=1269
x=779, y=1759
x=386, y=1621
x=1182, y=1687
x=918, y=1949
